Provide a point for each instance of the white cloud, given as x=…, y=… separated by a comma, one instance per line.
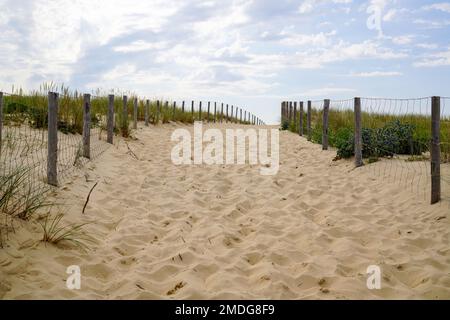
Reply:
x=390, y=15
x=428, y=46
x=140, y=45
x=376, y=74
x=432, y=24
x=442, y=6
x=307, y=6
x=439, y=59
x=403, y=40
x=297, y=39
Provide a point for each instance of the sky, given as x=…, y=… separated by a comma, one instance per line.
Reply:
x=250, y=53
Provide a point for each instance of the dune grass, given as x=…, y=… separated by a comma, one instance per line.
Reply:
x=55, y=232
x=31, y=109
x=341, y=122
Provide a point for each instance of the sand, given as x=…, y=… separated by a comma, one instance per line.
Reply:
x=226, y=232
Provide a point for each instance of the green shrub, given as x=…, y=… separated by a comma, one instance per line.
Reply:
x=394, y=138
x=316, y=135
x=344, y=142
x=285, y=125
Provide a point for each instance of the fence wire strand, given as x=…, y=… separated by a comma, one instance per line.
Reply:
x=396, y=138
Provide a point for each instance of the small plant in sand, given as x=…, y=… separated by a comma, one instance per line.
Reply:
x=56, y=232
x=18, y=198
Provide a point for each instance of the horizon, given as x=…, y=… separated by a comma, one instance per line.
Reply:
x=252, y=54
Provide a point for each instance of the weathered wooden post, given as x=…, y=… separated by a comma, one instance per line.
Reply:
x=52, y=148
x=232, y=114
x=245, y=116
x=308, y=121
x=290, y=112
x=326, y=110
x=158, y=111
x=1, y=120
x=125, y=114
x=286, y=112
x=358, y=134
x=295, y=115
x=209, y=110
x=174, y=111
x=200, y=118
x=215, y=112
x=192, y=111
x=135, y=113
x=226, y=119
x=110, y=120
x=240, y=116
x=147, y=112
x=182, y=107
x=87, y=126
x=166, y=109
x=221, y=114
x=435, y=150
x=302, y=117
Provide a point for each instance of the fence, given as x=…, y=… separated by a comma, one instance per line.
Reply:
x=409, y=138
x=44, y=138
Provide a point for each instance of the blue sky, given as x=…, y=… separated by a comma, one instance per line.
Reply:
x=250, y=53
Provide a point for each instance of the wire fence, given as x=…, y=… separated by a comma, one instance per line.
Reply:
x=396, y=138
x=24, y=120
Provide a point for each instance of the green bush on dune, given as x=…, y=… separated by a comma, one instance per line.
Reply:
x=394, y=138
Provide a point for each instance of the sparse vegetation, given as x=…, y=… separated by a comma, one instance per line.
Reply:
x=383, y=135
x=56, y=232
x=17, y=197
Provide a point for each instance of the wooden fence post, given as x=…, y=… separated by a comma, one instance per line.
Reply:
x=192, y=111
x=226, y=119
x=200, y=118
x=166, y=108
x=158, y=111
x=174, y=110
x=215, y=112
x=240, y=116
x=435, y=150
x=232, y=114
x=295, y=115
x=209, y=110
x=308, y=120
x=290, y=112
x=326, y=110
x=52, y=149
x=110, y=120
x=221, y=114
x=182, y=107
x=286, y=112
x=87, y=126
x=1, y=120
x=358, y=134
x=125, y=113
x=302, y=117
x=147, y=112
x=135, y=113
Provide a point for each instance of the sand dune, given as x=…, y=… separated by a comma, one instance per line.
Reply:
x=226, y=232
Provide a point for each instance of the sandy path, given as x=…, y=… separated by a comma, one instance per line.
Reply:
x=226, y=232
